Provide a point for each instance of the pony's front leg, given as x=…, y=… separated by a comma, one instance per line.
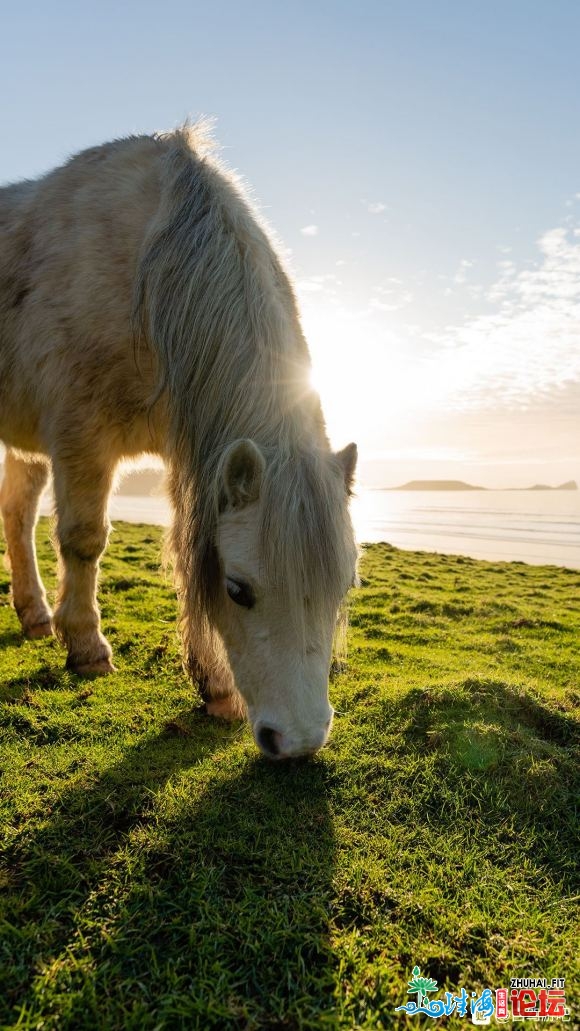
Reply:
x=24, y=481
x=217, y=689
x=223, y=701
x=82, y=493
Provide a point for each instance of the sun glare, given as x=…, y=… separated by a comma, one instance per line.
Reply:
x=368, y=387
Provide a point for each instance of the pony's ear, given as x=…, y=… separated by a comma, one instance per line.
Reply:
x=241, y=474
x=347, y=459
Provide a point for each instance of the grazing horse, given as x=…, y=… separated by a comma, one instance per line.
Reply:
x=143, y=308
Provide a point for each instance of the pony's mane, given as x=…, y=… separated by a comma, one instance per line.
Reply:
x=216, y=305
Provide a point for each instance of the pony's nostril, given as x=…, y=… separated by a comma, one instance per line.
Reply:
x=268, y=740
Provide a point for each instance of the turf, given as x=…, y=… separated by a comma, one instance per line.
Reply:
x=155, y=872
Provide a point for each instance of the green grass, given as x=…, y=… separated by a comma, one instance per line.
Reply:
x=155, y=872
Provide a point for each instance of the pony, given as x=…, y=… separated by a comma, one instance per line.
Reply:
x=144, y=308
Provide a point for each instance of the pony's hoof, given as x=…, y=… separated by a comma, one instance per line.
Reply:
x=96, y=668
x=38, y=630
x=227, y=708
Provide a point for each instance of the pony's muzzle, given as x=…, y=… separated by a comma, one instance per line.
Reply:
x=276, y=745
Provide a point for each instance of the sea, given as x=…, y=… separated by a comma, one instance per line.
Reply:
x=539, y=527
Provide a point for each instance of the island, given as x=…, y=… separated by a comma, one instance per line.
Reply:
x=460, y=485
x=436, y=485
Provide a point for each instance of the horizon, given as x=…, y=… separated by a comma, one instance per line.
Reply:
x=421, y=175
x=374, y=479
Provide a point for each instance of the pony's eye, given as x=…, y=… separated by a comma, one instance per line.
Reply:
x=241, y=593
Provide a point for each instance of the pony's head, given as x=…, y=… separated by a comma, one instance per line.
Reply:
x=286, y=557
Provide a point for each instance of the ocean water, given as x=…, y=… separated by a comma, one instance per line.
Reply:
x=540, y=527
x=525, y=526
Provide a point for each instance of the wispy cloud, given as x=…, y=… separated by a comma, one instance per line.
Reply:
x=530, y=346
x=392, y=297
x=443, y=453
x=326, y=283
x=375, y=207
x=461, y=274
x=311, y=230
x=503, y=382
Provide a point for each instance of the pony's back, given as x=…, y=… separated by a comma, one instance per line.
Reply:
x=147, y=233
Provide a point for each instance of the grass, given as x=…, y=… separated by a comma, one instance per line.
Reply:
x=155, y=872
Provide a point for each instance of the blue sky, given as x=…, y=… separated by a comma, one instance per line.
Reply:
x=431, y=151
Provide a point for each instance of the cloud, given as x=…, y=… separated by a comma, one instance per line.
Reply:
x=375, y=207
x=309, y=286
x=529, y=348
x=437, y=453
x=461, y=274
x=390, y=298
x=498, y=388
x=326, y=283
x=309, y=230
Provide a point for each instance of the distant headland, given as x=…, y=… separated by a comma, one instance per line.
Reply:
x=460, y=485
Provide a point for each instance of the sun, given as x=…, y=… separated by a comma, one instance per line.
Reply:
x=368, y=387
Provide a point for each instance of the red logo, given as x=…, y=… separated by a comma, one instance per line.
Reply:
x=548, y=1002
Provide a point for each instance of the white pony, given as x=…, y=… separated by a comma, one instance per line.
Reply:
x=143, y=308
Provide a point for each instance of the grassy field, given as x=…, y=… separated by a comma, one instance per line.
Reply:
x=155, y=872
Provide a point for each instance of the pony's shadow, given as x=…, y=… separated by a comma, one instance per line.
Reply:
x=16, y=688
x=11, y=638
x=201, y=879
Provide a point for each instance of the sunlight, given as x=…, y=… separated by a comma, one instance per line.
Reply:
x=369, y=388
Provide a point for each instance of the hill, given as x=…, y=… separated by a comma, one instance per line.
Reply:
x=461, y=485
x=138, y=483
x=141, y=482
x=569, y=485
x=436, y=485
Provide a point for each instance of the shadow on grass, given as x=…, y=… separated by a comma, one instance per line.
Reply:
x=11, y=638
x=164, y=896
x=45, y=678
x=510, y=757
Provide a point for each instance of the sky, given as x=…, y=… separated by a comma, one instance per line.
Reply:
x=418, y=161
